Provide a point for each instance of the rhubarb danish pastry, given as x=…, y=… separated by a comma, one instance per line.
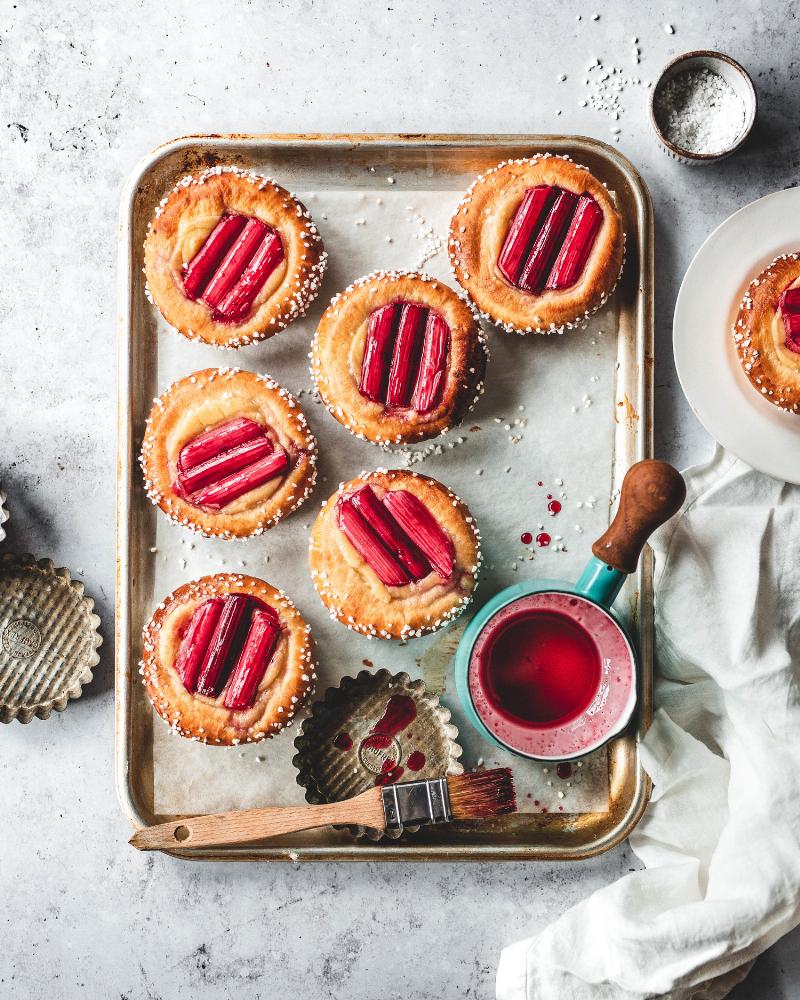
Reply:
x=227, y=659
x=228, y=452
x=231, y=257
x=537, y=244
x=394, y=554
x=767, y=332
x=398, y=357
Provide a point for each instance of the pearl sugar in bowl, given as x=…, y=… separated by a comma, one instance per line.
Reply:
x=702, y=107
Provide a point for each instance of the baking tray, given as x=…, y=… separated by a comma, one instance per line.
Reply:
x=342, y=172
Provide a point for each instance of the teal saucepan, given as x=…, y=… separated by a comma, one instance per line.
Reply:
x=545, y=669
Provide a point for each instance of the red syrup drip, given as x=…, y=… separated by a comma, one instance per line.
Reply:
x=554, y=507
x=416, y=761
x=540, y=483
x=543, y=539
x=564, y=771
x=377, y=741
x=549, y=496
x=526, y=538
x=542, y=668
x=398, y=715
x=343, y=741
x=393, y=774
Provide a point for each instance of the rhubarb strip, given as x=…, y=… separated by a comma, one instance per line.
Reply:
x=789, y=307
x=239, y=300
x=217, y=662
x=234, y=263
x=418, y=523
x=262, y=638
x=223, y=465
x=207, y=259
x=196, y=641
x=227, y=490
x=377, y=352
x=369, y=546
x=523, y=231
x=390, y=533
x=405, y=359
x=547, y=243
x=577, y=245
x=433, y=365
x=219, y=438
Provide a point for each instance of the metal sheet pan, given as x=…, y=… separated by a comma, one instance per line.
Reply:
x=342, y=163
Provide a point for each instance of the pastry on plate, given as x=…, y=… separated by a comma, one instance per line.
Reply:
x=228, y=452
x=767, y=332
x=227, y=659
x=398, y=357
x=394, y=554
x=231, y=257
x=537, y=244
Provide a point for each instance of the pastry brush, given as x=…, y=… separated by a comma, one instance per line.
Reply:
x=479, y=795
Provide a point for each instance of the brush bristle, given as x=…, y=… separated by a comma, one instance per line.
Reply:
x=482, y=794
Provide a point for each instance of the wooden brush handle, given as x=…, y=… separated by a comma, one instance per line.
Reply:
x=247, y=825
x=651, y=493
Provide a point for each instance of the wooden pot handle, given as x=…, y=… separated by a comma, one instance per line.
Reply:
x=651, y=493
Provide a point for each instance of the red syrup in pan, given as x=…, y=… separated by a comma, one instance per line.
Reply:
x=551, y=675
x=542, y=669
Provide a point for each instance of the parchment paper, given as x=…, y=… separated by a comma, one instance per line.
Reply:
x=547, y=417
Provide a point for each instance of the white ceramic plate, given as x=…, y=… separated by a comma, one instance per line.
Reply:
x=725, y=403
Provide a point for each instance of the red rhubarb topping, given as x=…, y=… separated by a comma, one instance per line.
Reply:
x=397, y=536
x=219, y=438
x=227, y=461
x=259, y=646
x=222, y=465
x=523, y=230
x=227, y=490
x=208, y=258
x=233, y=636
x=239, y=300
x=432, y=365
x=407, y=350
x=366, y=541
x=390, y=533
x=196, y=641
x=378, y=353
x=232, y=266
x=577, y=245
x=547, y=243
x=405, y=357
x=226, y=636
x=550, y=239
x=789, y=308
x=418, y=523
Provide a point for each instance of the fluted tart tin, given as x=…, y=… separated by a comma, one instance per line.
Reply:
x=4, y=515
x=374, y=729
x=48, y=638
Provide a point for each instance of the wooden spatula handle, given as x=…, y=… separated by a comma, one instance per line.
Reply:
x=246, y=825
x=651, y=493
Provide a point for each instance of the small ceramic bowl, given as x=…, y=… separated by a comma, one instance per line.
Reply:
x=733, y=74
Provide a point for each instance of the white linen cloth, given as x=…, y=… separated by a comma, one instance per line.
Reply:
x=721, y=837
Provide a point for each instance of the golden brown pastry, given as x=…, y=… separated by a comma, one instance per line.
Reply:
x=227, y=659
x=398, y=357
x=767, y=332
x=537, y=244
x=228, y=452
x=394, y=554
x=231, y=257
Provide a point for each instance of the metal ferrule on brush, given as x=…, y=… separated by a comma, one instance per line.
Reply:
x=416, y=802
